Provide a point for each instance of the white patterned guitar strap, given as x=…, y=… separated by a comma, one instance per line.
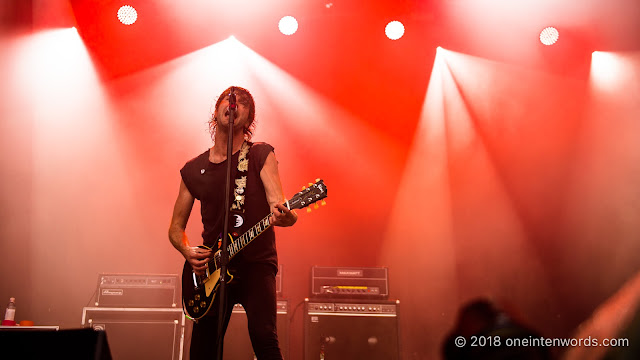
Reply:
x=237, y=205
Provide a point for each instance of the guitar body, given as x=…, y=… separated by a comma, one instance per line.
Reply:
x=199, y=292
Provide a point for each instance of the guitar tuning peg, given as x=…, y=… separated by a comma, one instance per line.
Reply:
x=318, y=180
x=304, y=187
x=315, y=206
x=308, y=209
x=310, y=184
x=323, y=203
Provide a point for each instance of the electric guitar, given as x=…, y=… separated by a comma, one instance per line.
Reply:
x=199, y=291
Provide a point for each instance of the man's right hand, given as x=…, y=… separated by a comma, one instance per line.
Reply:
x=198, y=258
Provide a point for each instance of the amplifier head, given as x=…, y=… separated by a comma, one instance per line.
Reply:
x=350, y=282
x=137, y=290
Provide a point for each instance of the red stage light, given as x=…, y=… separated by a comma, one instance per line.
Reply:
x=549, y=35
x=127, y=15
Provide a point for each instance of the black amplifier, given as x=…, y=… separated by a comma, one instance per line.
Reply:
x=350, y=282
x=345, y=330
x=138, y=291
x=237, y=344
x=282, y=307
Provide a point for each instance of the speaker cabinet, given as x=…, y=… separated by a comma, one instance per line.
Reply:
x=237, y=344
x=139, y=333
x=349, y=330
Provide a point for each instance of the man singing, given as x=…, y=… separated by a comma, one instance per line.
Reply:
x=257, y=193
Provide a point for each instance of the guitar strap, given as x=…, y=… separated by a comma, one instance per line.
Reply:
x=237, y=205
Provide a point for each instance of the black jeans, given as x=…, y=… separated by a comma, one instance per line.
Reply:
x=253, y=286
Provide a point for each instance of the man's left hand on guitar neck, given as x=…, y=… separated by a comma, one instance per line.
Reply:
x=282, y=216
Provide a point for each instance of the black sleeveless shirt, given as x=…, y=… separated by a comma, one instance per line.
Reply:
x=206, y=182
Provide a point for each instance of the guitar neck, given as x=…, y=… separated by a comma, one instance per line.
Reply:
x=248, y=236
x=304, y=198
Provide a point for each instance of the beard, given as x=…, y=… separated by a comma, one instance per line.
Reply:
x=223, y=122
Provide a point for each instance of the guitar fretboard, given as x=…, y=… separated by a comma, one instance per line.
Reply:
x=248, y=236
x=300, y=200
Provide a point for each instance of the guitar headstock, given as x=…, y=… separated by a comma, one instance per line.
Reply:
x=309, y=195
